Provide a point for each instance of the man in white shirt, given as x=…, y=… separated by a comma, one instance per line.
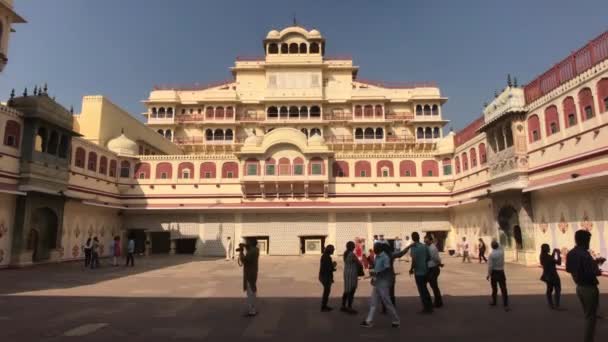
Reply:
x=434, y=265
x=465, y=250
x=406, y=244
x=496, y=275
x=229, y=249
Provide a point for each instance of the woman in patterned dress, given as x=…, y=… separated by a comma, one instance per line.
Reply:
x=351, y=277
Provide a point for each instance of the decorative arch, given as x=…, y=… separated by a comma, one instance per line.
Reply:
x=284, y=167
x=378, y=111
x=207, y=170
x=219, y=112
x=382, y=165
x=363, y=168
x=103, y=165
x=465, y=161
x=272, y=112
x=283, y=112
x=473, y=156
x=208, y=134
x=435, y=110
x=125, y=169
x=303, y=112
x=418, y=109
x=585, y=103
x=368, y=111
x=293, y=48
x=303, y=48
x=315, y=111
x=112, y=170
x=164, y=170
x=420, y=133
x=457, y=164
x=482, y=154
x=359, y=133
x=358, y=111
x=427, y=110
x=230, y=170
x=314, y=47
x=316, y=161
x=229, y=112
x=249, y=163
x=294, y=112
x=340, y=168
x=533, y=128
x=569, y=108
x=428, y=133
x=430, y=168
x=602, y=94
x=12, y=133
x=209, y=112
x=369, y=133
x=142, y=171
x=407, y=168
x=551, y=120
x=79, y=157
x=185, y=170
x=284, y=48
x=92, y=162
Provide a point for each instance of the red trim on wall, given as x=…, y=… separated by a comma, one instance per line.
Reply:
x=587, y=155
x=585, y=171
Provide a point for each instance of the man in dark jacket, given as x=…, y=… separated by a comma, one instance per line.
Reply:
x=326, y=275
x=249, y=261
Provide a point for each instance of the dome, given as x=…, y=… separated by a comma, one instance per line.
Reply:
x=273, y=34
x=316, y=140
x=123, y=146
x=314, y=33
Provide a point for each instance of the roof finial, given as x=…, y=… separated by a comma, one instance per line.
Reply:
x=25, y=92
x=295, y=21
x=515, y=82
x=71, y=109
x=45, y=89
x=509, y=83
x=13, y=93
x=35, y=90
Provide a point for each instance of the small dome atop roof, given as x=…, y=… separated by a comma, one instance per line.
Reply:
x=316, y=140
x=123, y=146
x=314, y=33
x=273, y=34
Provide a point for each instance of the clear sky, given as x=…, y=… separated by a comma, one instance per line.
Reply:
x=120, y=48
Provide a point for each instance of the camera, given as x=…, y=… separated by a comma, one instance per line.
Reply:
x=241, y=247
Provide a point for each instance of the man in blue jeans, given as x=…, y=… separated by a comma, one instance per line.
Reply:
x=420, y=257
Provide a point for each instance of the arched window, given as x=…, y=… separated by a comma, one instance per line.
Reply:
x=315, y=112
x=92, y=161
x=293, y=48
x=63, y=146
x=369, y=133
x=340, y=168
x=435, y=132
x=430, y=168
x=161, y=113
x=420, y=133
x=358, y=111
x=427, y=110
x=284, y=167
x=272, y=112
x=368, y=111
x=303, y=48
x=407, y=168
x=141, y=150
x=229, y=135
x=428, y=133
x=125, y=169
x=363, y=168
x=602, y=94
x=273, y=48
x=294, y=112
x=209, y=112
x=170, y=112
x=435, y=110
x=161, y=132
x=569, y=111
x=283, y=112
x=316, y=167
x=457, y=163
x=378, y=111
x=447, y=166
x=218, y=134
x=303, y=112
x=305, y=131
x=418, y=110
x=533, y=128
x=12, y=133
x=551, y=120
x=585, y=102
x=103, y=165
x=112, y=170
x=509, y=135
x=79, y=157
x=359, y=133
x=473, y=156
x=284, y=49
x=207, y=170
x=41, y=140
x=379, y=133
x=168, y=134
x=230, y=170
x=314, y=48
x=384, y=168
x=208, y=134
x=315, y=131
x=142, y=171
x=482, y=154
x=298, y=166
x=252, y=167
x=219, y=112
x=270, y=167
x=164, y=171
x=229, y=112
x=185, y=170
x=465, y=161
x=154, y=112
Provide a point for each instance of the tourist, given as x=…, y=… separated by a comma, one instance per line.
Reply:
x=482, y=251
x=326, y=275
x=381, y=281
x=550, y=277
x=371, y=257
x=496, y=275
x=584, y=270
x=115, y=250
x=352, y=271
x=397, y=245
x=407, y=243
x=375, y=240
x=229, y=249
x=249, y=261
x=420, y=257
x=95, y=253
x=131, y=251
x=434, y=265
x=87, y=252
x=465, y=250
x=358, y=249
x=382, y=240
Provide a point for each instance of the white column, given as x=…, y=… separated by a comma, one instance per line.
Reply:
x=201, y=235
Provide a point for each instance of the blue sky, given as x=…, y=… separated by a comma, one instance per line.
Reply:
x=120, y=49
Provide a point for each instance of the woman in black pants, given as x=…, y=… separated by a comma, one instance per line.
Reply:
x=326, y=275
x=550, y=276
x=482, y=251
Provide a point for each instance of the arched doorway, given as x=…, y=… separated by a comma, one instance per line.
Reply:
x=507, y=220
x=42, y=237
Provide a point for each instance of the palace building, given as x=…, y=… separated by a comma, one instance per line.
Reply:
x=299, y=152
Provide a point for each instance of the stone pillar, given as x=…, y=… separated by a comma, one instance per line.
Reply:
x=172, y=248
x=201, y=235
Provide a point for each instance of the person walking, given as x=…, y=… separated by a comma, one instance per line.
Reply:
x=131, y=251
x=482, y=251
x=249, y=256
x=496, y=275
x=434, y=265
x=381, y=281
x=398, y=245
x=352, y=270
x=549, y=261
x=465, y=250
x=326, y=275
x=95, y=253
x=585, y=270
x=407, y=243
x=229, y=249
x=115, y=250
x=420, y=258
x=87, y=252
x=371, y=258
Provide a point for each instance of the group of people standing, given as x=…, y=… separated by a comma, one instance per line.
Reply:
x=92, y=249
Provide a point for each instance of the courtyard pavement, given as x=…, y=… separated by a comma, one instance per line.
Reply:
x=166, y=298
